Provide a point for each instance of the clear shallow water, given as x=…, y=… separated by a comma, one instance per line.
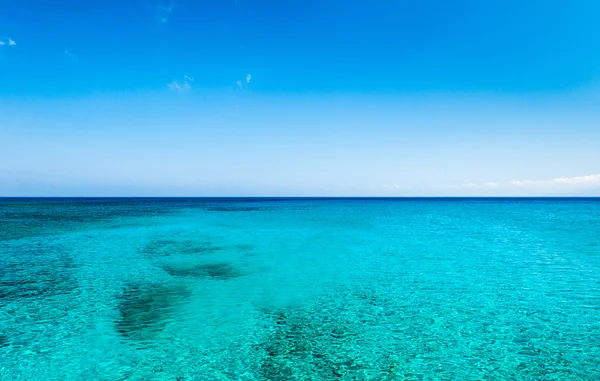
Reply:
x=192, y=289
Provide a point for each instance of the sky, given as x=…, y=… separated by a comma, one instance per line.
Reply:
x=299, y=98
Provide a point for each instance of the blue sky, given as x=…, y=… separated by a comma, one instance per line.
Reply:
x=257, y=97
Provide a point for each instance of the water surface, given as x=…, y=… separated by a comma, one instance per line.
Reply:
x=299, y=289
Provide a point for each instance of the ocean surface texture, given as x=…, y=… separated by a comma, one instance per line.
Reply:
x=299, y=289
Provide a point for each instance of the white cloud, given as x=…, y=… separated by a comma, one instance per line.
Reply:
x=181, y=87
x=178, y=86
x=579, y=180
x=244, y=83
x=7, y=41
x=395, y=187
x=162, y=12
x=559, y=185
x=175, y=86
x=518, y=183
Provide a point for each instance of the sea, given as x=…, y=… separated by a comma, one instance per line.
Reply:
x=299, y=289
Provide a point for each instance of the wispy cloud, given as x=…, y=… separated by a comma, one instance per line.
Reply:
x=577, y=181
x=71, y=56
x=244, y=83
x=491, y=184
x=557, y=185
x=182, y=86
x=396, y=188
x=7, y=41
x=587, y=180
x=178, y=86
x=162, y=12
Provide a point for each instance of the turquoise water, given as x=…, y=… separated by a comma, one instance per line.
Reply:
x=201, y=289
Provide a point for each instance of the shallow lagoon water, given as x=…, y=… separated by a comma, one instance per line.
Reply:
x=299, y=289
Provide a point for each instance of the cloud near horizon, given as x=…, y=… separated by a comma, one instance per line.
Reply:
x=557, y=185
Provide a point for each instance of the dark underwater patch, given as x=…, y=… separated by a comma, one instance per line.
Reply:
x=35, y=272
x=144, y=310
x=331, y=337
x=302, y=345
x=32, y=217
x=221, y=271
x=243, y=247
x=4, y=341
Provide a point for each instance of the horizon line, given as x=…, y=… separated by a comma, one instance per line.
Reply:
x=299, y=197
